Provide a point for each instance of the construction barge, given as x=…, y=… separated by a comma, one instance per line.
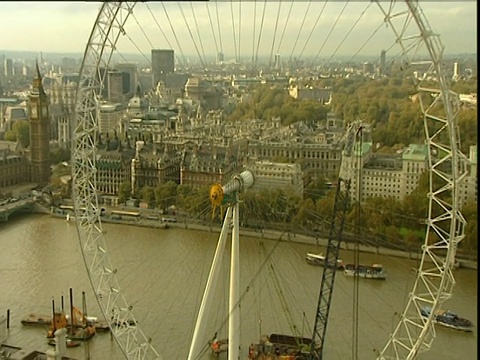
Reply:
x=46, y=320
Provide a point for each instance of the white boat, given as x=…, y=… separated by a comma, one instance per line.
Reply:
x=374, y=271
x=319, y=259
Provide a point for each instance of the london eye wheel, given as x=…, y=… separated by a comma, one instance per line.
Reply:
x=418, y=50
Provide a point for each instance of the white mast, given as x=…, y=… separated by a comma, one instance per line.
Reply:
x=234, y=303
x=197, y=342
x=228, y=195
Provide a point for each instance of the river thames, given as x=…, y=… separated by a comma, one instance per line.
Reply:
x=163, y=273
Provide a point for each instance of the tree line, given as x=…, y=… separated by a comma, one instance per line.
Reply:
x=385, y=222
x=389, y=105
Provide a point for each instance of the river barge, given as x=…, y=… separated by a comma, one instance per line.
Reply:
x=46, y=320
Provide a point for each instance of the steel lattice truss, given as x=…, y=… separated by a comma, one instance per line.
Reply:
x=447, y=166
x=340, y=207
x=115, y=308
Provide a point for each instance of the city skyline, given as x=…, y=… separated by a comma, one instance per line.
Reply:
x=41, y=28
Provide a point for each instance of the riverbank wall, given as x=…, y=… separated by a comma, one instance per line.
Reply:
x=303, y=239
x=272, y=235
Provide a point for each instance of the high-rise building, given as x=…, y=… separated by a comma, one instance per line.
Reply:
x=145, y=80
x=383, y=59
x=39, y=120
x=277, y=62
x=163, y=63
x=220, y=58
x=17, y=69
x=25, y=70
x=129, y=78
x=109, y=117
x=456, y=71
x=8, y=67
x=115, y=86
x=68, y=65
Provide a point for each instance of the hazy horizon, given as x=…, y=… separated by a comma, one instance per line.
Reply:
x=237, y=29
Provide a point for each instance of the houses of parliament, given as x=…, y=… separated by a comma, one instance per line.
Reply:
x=32, y=165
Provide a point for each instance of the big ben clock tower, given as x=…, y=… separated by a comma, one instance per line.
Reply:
x=39, y=120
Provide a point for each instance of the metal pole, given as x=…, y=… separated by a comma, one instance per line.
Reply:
x=54, y=321
x=71, y=312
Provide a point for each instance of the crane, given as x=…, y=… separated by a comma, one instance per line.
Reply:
x=341, y=203
x=340, y=207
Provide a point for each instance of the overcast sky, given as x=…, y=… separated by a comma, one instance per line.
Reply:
x=64, y=26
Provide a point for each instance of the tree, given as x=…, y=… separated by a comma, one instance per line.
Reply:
x=315, y=190
x=324, y=205
x=147, y=194
x=470, y=242
x=392, y=234
x=412, y=239
x=305, y=214
x=58, y=155
x=10, y=135
x=468, y=124
x=22, y=130
x=124, y=192
x=165, y=194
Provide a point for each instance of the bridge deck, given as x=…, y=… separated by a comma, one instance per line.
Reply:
x=15, y=206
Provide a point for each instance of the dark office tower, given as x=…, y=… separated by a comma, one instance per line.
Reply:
x=220, y=58
x=277, y=62
x=8, y=67
x=163, y=63
x=145, y=80
x=68, y=65
x=39, y=119
x=126, y=84
x=383, y=57
x=130, y=81
x=115, y=86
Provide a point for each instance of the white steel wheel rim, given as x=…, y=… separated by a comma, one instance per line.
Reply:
x=434, y=282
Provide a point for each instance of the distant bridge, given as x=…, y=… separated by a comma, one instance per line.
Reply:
x=24, y=205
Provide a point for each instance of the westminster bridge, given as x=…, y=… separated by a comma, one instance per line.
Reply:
x=13, y=205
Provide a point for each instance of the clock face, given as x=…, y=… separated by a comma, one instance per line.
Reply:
x=33, y=111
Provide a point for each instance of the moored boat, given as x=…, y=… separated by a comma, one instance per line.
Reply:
x=448, y=318
x=69, y=343
x=374, y=271
x=280, y=346
x=37, y=319
x=319, y=259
